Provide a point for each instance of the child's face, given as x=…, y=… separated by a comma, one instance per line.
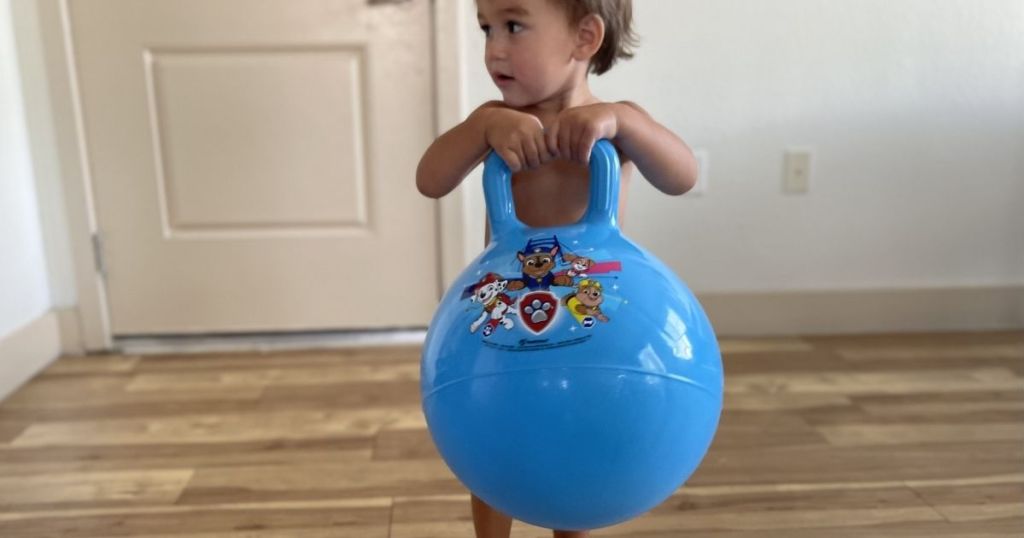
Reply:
x=529, y=48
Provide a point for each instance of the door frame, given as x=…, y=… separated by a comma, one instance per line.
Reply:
x=91, y=308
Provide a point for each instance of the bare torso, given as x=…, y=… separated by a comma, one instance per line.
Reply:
x=557, y=193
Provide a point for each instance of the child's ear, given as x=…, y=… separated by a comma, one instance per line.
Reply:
x=589, y=36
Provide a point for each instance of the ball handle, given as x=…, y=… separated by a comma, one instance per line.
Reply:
x=602, y=209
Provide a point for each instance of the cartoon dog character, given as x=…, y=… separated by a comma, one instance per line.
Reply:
x=585, y=304
x=537, y=267
x=489, y=292
x=579, y=265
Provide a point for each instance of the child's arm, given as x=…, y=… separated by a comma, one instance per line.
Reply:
x=661, y=156
x=517, y=137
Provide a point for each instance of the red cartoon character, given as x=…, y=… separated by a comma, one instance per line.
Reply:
x=489, y=292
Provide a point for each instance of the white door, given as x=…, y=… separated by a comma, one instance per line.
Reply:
x=252, y=162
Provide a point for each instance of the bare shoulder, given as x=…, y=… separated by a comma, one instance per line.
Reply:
x=632, y=104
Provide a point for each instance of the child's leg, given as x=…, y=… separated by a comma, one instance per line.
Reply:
x=488, y=522
x=571, y=534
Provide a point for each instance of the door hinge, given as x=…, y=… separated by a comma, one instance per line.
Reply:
x=97, y=252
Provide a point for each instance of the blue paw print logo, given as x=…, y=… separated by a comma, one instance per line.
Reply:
x=588, y=322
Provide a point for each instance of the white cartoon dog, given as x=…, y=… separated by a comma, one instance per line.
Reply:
x=497, y=305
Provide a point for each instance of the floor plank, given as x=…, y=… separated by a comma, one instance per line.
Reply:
x=895, y=435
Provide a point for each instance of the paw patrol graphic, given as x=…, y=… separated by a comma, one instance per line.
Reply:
x=538, y=310
x=538, y=260
x=578, y=265
x=497, y=305
x=587, y=267
x=525, y=285
x=585, y=304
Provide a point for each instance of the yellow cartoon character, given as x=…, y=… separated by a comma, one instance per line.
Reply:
x=585, y=304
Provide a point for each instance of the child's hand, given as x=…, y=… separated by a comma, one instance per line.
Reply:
x=576, y=130
x=517, y=137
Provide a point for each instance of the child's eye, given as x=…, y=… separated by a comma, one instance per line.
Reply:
x=486, y=28
x=514, y=27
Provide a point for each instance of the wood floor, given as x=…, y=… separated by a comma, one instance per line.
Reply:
x=887, y=436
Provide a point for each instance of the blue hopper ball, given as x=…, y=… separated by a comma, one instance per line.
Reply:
x=569, y=379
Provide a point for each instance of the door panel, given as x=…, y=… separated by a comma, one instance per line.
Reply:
x=253, y=162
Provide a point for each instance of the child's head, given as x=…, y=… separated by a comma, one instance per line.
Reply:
x=538, y=48
x=619, y=38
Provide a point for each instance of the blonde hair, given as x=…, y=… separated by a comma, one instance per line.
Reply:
x=619, y=38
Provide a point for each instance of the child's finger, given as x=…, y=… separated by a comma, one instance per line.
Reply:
x=511, y=159
x=579, y=141
x=530, y=152
x=551, y=138
x=542, y=147
x=587, y=145
x=565, y=142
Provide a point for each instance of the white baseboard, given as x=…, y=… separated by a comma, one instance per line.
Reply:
x=739, y=314
x=27, y=351
x=266, y=342
x=866, y=311
x=70, y=332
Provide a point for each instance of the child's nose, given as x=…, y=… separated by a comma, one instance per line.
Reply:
x=496, y=51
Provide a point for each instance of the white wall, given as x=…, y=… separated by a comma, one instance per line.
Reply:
x=43, y=144
x=24, y=291
x=914, y=110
